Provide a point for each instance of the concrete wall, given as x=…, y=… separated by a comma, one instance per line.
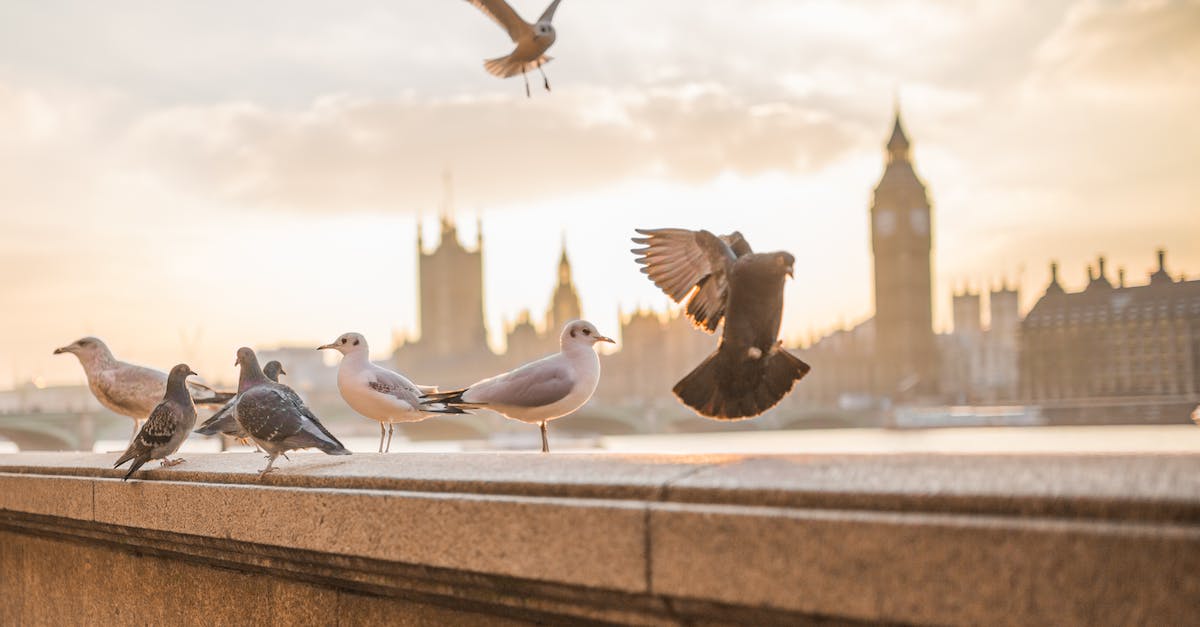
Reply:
x=467, y=538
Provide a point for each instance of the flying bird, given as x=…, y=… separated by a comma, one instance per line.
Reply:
x=721, y=278
x=128, y=389
x=223, y=421
x=532, y=40
x=540, y=391
x=376, y=392
x=167, y=427
x=275, y=417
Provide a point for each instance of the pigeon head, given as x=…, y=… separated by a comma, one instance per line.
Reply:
x=177, y=383
x=273, y=369
x=251, y=373
x=181, y=371
x=347, y=343
x=583, y=333
x=784, y=263
x=86, y=349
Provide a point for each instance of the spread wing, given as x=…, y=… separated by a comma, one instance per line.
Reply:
x=548, y=14
x=133, y=390
x=537, y=384
x=505, y=16
x=692, y=266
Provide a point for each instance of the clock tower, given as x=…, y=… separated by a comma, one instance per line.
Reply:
x=901, y=241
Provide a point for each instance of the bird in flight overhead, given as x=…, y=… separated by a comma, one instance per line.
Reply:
x=723, y=279
x=539, y=391
x=532, y=40
x=375, y=391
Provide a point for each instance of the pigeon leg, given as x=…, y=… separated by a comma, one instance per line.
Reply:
x=526, y=77
x=545, y=440
x=168, y=462
x=270, y=465
x=389, y=444
x=382, y=431
x=545, y=81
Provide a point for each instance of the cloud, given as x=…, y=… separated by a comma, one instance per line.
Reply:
x=344, y=152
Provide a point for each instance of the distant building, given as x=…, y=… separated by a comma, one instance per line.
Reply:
x=979, y=365
x=1114, y=343
x=525, y=342
x=906, y=356
x=656, y=351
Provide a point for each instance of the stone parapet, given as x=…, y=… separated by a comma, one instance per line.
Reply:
x=462, y=538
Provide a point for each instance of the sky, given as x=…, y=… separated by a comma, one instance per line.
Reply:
x=182, y=178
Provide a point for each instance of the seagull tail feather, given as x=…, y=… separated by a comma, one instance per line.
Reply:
x=729, y=386
x=451, y=402
x=507, y=66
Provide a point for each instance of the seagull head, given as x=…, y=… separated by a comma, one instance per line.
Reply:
x=84, y=348
x=347, y=343
x=582, y=333
x=544, y=30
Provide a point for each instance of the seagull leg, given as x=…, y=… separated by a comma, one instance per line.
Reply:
x=545, y=81
x=382, y=431
x=389, y=444
x=526, y=77
x=545, y=440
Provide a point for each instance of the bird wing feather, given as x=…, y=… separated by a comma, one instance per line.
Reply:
x=548, y=14
x=692, y=266
x=395, y=385
x=537, y=384
x=134, y=390
x=505, y=16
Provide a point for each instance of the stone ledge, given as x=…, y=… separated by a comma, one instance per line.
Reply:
x=1069, y=539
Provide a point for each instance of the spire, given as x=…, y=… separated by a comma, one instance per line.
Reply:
x=1161, y=275
x=898, y=144
x=447, y=201
x=564, y=264
x=1055, y=287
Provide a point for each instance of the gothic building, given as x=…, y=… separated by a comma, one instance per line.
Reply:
x=979, y=365
x=525, y=342
x=906, y=356
x=1114, y=344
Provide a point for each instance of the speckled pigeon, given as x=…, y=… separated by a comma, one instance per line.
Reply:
x=168, y=426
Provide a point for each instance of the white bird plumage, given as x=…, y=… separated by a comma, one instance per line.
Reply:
x=532, y=40
x=374, y=391
x=551, y=387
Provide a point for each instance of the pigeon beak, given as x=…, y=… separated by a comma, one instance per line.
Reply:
x=282, y=371
x=791, y=272
x=604, y=338
x=237, y=361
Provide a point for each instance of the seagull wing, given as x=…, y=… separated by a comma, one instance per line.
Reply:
x=538, y=384
x=548, y=14
x=395, y=385
x=692, y=266
x=505, y=16
x=134, y=390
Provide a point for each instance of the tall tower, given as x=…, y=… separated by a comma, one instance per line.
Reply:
x=451, y=291
x=564, y=305
x=901, y=240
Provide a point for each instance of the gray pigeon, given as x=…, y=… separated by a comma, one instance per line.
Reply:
x=273, y=415
x=750, y=372
x=128, y=389
x=167, y=427
x=223, y=421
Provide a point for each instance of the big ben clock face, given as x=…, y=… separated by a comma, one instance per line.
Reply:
x=920, y=220
x=885, y=221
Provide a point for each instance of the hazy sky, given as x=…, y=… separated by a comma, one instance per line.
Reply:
x=183, y=177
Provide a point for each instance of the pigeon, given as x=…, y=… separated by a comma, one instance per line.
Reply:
x=540, y=391
x=532, y=41
x=273, y=415
x=128, y=389
x=723, y=279
x=223, y=421
x=166, y=428
x=376, y=392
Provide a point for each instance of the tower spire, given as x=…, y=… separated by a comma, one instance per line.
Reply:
x=898, y=144
x=447, y=200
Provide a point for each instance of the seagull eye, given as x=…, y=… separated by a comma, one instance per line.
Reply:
x=572, y=332
x=587, y=331
x=343, y=340
x=356, y=342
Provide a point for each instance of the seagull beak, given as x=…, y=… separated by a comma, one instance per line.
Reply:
x=604, y=338
x=325, y=346
x=61, y=350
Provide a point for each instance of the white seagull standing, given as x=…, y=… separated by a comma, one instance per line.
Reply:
x=532, y=41
x=540, y=391
x=376, y=392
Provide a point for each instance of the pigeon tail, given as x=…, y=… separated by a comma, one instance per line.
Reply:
x=138, y=462
x=730, y=385
x=218, y=398
x=451, y=402
x=221, y=422
x=507, y=66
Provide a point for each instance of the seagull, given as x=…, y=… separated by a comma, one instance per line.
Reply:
x=540, y=391
x=273, y=415
x=376, y=392
x=223, y=421
x=722, y=278
x=128, y=389
x=532, y=41
x=166, y=428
